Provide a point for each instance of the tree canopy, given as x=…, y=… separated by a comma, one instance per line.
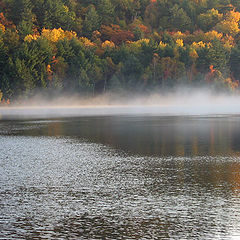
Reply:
x=95, y=46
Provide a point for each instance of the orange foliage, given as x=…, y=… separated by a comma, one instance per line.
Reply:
x=5, y=102
x=210, y=75
x=212, y=70
x=49, y=72
x=108, y=44
x=143, y=28
x=54, y=60
x=233, y=16
x=232, y=84
x=137, y=24
x=5, y=22
x=86, y=42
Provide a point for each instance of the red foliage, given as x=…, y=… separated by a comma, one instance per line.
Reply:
x=115, y=34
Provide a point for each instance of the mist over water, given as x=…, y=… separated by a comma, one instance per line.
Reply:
x=182, y=101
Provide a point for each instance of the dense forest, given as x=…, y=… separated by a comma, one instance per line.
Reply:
x=90, y=47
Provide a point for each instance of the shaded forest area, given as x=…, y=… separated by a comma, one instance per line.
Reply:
x=90, y=47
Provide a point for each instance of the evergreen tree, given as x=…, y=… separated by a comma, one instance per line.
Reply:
x=106, y=11
x=91, y=21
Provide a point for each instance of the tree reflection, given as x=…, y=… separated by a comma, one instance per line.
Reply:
x=152, y=136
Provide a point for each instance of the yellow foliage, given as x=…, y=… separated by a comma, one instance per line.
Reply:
x=197, y=45
x=228, y=27
x=233, y=16
x=209, y=45
x=179, y=35
x=52, y=35
x=49, y=69
x=108, y=44
x=211, y=35
x=230, y=24
x=214, y=12
x=139, y=43
x=70, y=34
x=227, y=45
x=31, y=37
x=228, y=42
x=66, y=8
x=86, y=42
x=179, y=42
x=55, y=35
x=162, y=44
x=143, y=40
x=2, y=28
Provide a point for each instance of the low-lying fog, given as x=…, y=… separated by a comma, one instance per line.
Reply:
x=180, y=102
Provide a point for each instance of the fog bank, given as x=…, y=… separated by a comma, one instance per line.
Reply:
x=175, y=103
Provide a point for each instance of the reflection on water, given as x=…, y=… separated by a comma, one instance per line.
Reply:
x=120, y=178
x=152, y=136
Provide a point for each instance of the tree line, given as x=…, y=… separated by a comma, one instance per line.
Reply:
x=90, y=47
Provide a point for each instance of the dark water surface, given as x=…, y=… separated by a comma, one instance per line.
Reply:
x=120, y=177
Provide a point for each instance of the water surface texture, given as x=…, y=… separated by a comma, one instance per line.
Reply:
x=120, y=177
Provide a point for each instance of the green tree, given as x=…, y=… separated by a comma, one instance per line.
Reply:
x=218, y=56
x=106, y=11
x=29, y=65
x=56, y=15
x=179, y=19
x=235, y=61
x=91, y=21
x=208, y=20
x=22, y=16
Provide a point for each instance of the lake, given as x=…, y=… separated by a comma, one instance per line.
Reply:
x=120, y=177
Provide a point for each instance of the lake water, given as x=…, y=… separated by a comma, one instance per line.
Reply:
x=120, y=177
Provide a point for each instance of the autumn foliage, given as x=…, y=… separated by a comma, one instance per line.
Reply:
x=115, y=34
x=96, y=46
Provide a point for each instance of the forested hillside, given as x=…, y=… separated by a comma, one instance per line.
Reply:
x=91, y=46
